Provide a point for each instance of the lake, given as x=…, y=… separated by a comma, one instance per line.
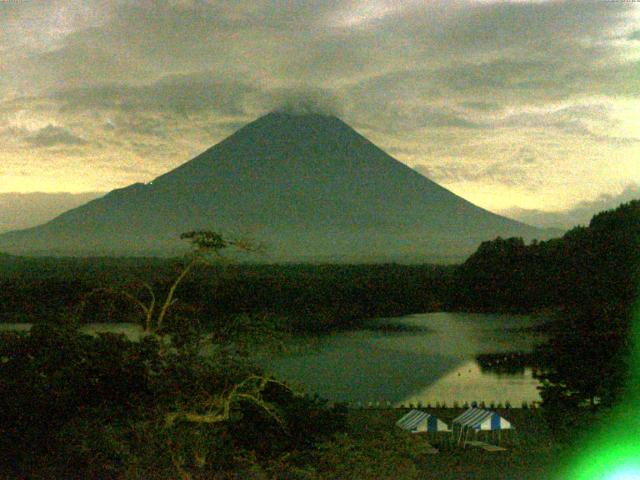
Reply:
x=424, y=358
x=432, y=360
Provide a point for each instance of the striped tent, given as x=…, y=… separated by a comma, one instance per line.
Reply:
x=417, y=421
x=479, y=420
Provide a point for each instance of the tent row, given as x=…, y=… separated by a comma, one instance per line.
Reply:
x=472, y=421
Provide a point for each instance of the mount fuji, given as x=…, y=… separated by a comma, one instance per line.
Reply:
x=308, y=186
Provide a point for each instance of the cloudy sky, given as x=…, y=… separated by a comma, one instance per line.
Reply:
x=518, y=106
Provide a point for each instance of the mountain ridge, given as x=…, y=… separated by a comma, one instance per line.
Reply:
x=309, y=185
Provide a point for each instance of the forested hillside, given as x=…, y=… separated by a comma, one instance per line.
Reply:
x=589, y=278
x=302, y=298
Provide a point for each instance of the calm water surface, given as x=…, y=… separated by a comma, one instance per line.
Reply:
x=433, y=360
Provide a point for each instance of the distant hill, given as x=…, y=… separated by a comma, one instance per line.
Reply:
x=308, y=185
x=24, y=210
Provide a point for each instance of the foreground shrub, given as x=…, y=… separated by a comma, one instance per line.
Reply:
x=77, y=406
x=386, y=456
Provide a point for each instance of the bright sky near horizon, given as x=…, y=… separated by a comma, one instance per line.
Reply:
x=510, y=104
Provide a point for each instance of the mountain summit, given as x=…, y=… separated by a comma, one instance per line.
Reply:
x=309, y=186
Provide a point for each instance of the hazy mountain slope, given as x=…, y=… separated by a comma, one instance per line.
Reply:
x=308, y=185
x=24, y=210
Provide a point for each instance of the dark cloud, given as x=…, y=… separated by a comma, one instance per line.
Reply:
x=509, y=173
x=520, y=169
x=621, y=79
x=535, y=26
x=430, y=122
x=574, y=120
x=481, y=106
x=304, y=100
x=144, y=125
x=504, y=74
x=464, y=82
x=73, y=66
x=302, y=41
x=182, y=94
x=52, y=135
x=400, y=120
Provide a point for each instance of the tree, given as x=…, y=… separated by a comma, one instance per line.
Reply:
x=206, y=248
x=586, y=359
x=590, y=277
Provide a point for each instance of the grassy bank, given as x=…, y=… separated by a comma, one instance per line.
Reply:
x=102, y=405
x=535, y=456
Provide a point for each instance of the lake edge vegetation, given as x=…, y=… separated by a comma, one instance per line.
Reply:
x=105, y=407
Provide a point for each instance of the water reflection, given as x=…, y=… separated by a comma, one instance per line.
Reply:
x=469, y=382
x=432, y=361
x=425, y=358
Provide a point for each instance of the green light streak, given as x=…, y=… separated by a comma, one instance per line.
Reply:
x=612, y=452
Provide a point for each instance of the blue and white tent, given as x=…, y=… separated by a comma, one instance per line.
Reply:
x=417, y=421
x=479, y=419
